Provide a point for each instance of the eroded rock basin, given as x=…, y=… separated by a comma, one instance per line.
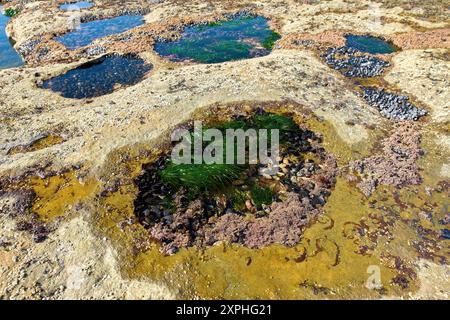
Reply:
x=99, y=77
x=240, y=37
x=202, y=204
x=342, y=236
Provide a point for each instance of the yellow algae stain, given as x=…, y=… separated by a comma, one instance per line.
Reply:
x=39, y=144
x=326, y=264
x=57, y=193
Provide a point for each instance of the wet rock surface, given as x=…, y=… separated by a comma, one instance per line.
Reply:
x=392, y=106
x=80, y=260
x=352, y=63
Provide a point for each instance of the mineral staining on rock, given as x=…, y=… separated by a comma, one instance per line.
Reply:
x=199, y=205
x=40, y=142
x=241, y=37
x=352, y=63
x=392, y=106
x=99, y=77
x=89, y=31
x=73, y=6
x=369, y=44
x=9, y=58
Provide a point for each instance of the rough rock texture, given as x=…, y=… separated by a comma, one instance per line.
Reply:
x=93, y=128
x=423, y=40
x=72, y=264
x=424, y=74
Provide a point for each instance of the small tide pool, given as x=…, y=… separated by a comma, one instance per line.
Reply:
x=369, y=44
x=90, y=31
x=241, y=37
x=99, y=77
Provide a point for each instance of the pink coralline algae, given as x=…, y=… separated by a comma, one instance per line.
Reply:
x=396, y=165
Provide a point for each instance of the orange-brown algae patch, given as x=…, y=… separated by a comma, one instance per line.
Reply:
x=326, y=264
x=41, y=143
x=56, y=194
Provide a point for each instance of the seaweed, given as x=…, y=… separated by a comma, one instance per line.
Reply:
x=262, y=196
x=199, y=178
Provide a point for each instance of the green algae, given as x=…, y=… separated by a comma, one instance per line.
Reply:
x=261, y=195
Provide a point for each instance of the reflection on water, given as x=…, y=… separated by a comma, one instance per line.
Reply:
x=369, y=44
x=89, y=31
x=76, y=6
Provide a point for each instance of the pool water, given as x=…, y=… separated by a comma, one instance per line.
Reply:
x=76, y=6
x=242, y=37
x=89, y=31
x=9, y=58
x=369, y=44
x=99, y=77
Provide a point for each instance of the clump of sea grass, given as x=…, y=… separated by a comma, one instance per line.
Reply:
x=201, y=177
x=197, y=178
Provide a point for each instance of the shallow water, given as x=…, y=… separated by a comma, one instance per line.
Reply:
x=369, y=44
x=89, y=31
x=9, y=58
x=239, y=38
x=76, y=6
x=99, y=77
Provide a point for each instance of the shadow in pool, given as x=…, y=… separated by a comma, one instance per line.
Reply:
x=242, y=37
x=99, y=77
x=369, y=44
x=89, y=31
x=9, y=58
